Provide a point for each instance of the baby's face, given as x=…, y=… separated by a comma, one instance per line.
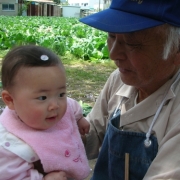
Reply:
x=39, y=96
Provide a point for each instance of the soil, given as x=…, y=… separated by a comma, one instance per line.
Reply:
x=86, y=87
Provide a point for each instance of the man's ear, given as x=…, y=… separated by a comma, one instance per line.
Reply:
x=177, y=59
x=7, y=98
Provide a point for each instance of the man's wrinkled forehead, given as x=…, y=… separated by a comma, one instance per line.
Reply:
x=146, y=32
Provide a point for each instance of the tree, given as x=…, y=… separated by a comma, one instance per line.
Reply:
x=57, y=1
x=23, y=7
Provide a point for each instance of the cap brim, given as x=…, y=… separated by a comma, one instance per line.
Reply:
x=115, y=21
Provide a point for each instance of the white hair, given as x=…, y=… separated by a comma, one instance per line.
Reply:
x=172, y=42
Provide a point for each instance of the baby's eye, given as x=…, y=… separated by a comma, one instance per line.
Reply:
x=62, y=94
x=42, y=98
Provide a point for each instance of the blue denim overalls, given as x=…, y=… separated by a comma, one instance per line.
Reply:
x=141, y=147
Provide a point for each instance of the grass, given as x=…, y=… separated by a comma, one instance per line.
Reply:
x=86, y=79
x=3, y=53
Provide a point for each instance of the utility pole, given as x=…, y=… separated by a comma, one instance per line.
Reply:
x=99, y=4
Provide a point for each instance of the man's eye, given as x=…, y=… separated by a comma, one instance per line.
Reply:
x=111, y=35
x=62, y=94
x=42, y=98
x=134, y=46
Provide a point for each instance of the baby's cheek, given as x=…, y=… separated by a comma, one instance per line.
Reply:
x=37, y=117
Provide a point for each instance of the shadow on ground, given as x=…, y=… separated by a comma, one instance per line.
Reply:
x=91, y=164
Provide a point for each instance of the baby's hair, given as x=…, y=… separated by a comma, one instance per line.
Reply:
x=26, y=56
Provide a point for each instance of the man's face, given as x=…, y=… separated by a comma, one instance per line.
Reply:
x=139, y=55
x=39, y=96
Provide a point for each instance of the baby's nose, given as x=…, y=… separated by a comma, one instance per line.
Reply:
x=54, y=104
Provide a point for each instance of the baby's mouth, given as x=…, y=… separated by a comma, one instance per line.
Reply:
x=52, y=118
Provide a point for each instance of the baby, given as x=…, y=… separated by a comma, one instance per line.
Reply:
x=39, y=121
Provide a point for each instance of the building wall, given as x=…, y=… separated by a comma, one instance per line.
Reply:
x=43, y=9
x=57, y=11
x=34, y=9
x=9, y=12
x=8, y=1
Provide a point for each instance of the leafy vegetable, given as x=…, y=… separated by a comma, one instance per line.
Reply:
x=61, y=34
x=86, y=108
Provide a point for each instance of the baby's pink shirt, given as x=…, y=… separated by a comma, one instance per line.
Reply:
x=16, y=168
x=61, y=146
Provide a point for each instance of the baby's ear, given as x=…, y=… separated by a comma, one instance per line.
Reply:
x=7, y=98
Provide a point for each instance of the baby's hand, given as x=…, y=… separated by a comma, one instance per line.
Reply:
x=56, y=176
x=83, y=126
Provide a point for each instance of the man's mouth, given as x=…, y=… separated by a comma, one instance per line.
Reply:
x=123, y=70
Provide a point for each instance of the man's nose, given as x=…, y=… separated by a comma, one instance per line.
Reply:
x=117, y=50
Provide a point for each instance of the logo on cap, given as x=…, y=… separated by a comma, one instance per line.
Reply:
x=138, y=1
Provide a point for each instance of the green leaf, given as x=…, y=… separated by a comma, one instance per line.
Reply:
x=105, y=52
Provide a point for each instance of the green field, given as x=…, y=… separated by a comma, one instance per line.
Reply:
x=62, y=35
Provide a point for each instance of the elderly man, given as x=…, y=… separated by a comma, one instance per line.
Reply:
x=136, y=119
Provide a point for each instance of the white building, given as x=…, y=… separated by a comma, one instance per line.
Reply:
x=95, y=4
x=78, y=2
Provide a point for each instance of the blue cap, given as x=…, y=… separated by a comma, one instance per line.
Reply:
x=132, y=15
